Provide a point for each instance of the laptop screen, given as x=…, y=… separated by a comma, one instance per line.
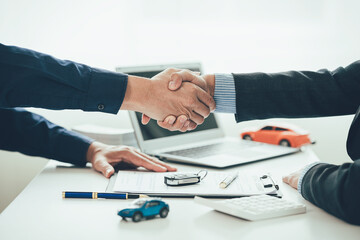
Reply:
x=152, y=130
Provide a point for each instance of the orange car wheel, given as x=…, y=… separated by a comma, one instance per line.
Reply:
x=284, y=143
x=247, y=137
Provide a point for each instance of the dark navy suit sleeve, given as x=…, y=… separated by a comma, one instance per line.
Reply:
x=33, y=135
x=298, y=94
x=312, y=94
x=335, y=189
x=33, y=79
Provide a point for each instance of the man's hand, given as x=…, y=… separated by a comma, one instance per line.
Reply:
x=105, y=158
x=153, y=98
x=206, y=82
x=293, y=178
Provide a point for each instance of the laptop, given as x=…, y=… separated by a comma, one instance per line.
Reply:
x=204, y=146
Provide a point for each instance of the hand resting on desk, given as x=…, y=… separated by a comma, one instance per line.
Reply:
x=105, y=157
x=293, y=178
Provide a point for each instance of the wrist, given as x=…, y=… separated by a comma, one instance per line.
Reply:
x=93, y=149
x=136, y=93
x=210, y=82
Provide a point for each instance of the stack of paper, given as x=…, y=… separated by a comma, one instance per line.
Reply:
x=107, y=135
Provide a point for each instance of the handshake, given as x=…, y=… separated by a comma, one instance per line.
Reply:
x=177, y=99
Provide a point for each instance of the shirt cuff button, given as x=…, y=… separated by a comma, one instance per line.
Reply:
x=101, y=107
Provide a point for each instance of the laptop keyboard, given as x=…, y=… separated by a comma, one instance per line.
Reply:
x=212, y=149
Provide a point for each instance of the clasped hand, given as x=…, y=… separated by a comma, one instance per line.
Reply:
x=199, y=92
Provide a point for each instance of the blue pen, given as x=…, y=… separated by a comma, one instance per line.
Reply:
x=96, y=195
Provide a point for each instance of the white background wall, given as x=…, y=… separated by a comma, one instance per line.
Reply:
x=226, y=36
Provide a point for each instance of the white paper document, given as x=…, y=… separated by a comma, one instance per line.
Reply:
x=152, y=184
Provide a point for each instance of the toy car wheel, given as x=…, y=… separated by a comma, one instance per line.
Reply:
x=284, y=143
x=247, y=137
x=164, y=212
x=137, y=217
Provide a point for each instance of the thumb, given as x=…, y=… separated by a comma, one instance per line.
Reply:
x=186, y=76
x=145, y=119
x=104, y=167
x=175, y=82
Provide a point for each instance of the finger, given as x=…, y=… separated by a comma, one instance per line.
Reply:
x=165, y=125
x=206, y=98
x=138, y=160
x=177, y=125
x=157, y=161
x=180, y=122
x=192, y=126
x=196, y=118
x=101, y=165
x=170, y=120
x=145, y=119
x=198, y=106
x=293, y=181
x=285, y=179
x=201, y=109
x=168, y=167
x=185, y=127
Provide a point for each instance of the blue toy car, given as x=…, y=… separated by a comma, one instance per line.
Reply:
x=145, y=208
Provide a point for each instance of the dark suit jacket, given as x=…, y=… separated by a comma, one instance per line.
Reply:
x=33, y=79
x=336, y=189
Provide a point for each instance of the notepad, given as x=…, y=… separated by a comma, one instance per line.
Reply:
x=152, y=184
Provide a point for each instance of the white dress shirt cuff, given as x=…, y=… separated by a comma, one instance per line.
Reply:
x=224, y=94
x=306, y=169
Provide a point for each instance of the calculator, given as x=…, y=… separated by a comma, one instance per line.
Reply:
x=254, y=207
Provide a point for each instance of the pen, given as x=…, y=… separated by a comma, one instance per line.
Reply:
x=228, y=180
x=96, y=195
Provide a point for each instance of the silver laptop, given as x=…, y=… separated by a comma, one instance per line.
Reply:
x=206, y=145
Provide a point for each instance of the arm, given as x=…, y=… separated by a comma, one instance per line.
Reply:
x=290, y=94
x=33, y=79
x=33, y=135
x=332, y=188
x=298, y=94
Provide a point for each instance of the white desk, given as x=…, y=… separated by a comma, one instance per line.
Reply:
x=39, y=212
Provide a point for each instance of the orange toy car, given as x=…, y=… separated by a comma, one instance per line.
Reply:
x=277, y=135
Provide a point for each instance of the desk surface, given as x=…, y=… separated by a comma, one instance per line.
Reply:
x=39, y=212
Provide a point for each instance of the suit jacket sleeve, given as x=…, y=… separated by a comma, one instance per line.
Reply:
x=33, y=79
x=335, y=189
x=33, y=135
x=298, y=94
x=311, y=94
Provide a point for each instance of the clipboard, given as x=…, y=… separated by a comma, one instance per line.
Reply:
x=152, y=184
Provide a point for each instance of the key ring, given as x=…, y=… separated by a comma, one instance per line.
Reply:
x=204, y=175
